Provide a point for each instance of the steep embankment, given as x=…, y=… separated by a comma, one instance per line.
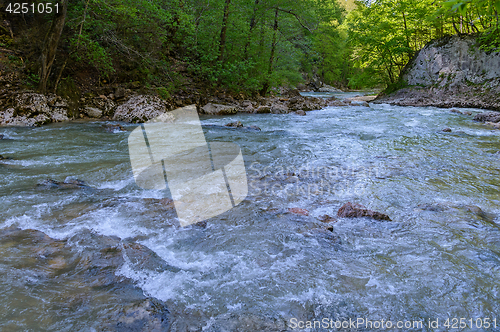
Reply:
x=450, y=72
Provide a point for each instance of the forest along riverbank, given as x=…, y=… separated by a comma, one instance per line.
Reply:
x=92, y=250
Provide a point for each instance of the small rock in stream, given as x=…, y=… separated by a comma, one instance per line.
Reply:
x=495, y=125
x=455, y=111
x=350, y=210
x=299, y=211
x=69, y=183
x=113, y=128
x=236, y=124
x=326, y=219
x=447, y=130
x=5, y=158
x=300, y=112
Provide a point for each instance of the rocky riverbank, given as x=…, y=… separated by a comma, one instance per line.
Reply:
x=19, y=107
x=450, y=72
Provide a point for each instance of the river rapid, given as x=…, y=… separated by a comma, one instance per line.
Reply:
x=439, y=257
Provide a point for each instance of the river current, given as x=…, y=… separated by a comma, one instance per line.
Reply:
x=439, y=257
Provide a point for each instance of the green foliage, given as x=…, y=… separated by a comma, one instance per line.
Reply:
x=164, y=92
x=242, y=45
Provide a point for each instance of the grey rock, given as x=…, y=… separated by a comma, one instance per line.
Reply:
x=328, y=88
x=140, y=109
x=263, y=109
x=32, y=109
x=218, y=109
x=450, y=72
x=236, y=124
x=487, y=117
x=92, y=112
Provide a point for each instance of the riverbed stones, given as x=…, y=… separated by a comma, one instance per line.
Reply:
x=350, y=210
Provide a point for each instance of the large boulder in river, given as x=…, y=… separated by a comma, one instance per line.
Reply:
x=140, y=109
x=218, y=109
x=350, y=210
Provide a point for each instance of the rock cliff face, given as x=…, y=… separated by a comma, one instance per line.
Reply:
x=450, y=72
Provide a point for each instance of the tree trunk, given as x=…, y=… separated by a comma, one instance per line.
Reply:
x=223, y=30
x=50, y=45
x=271, y=57
x=253, y=22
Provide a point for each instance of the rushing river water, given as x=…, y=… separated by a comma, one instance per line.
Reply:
x=438, y=258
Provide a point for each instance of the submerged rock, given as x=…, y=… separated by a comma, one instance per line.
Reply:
x=5, y=158
x=447, y=130
x=254, y=128
x=300, y=112
x=327, y=219
x=299, y=211
x=146, y=315
x=69, y=183
x=80, y=275
x=350, y=210
x=457, y=207
x=1, y=136
x=236, y=124
x=495, y=125
x=487, y=117
x=113, y=128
